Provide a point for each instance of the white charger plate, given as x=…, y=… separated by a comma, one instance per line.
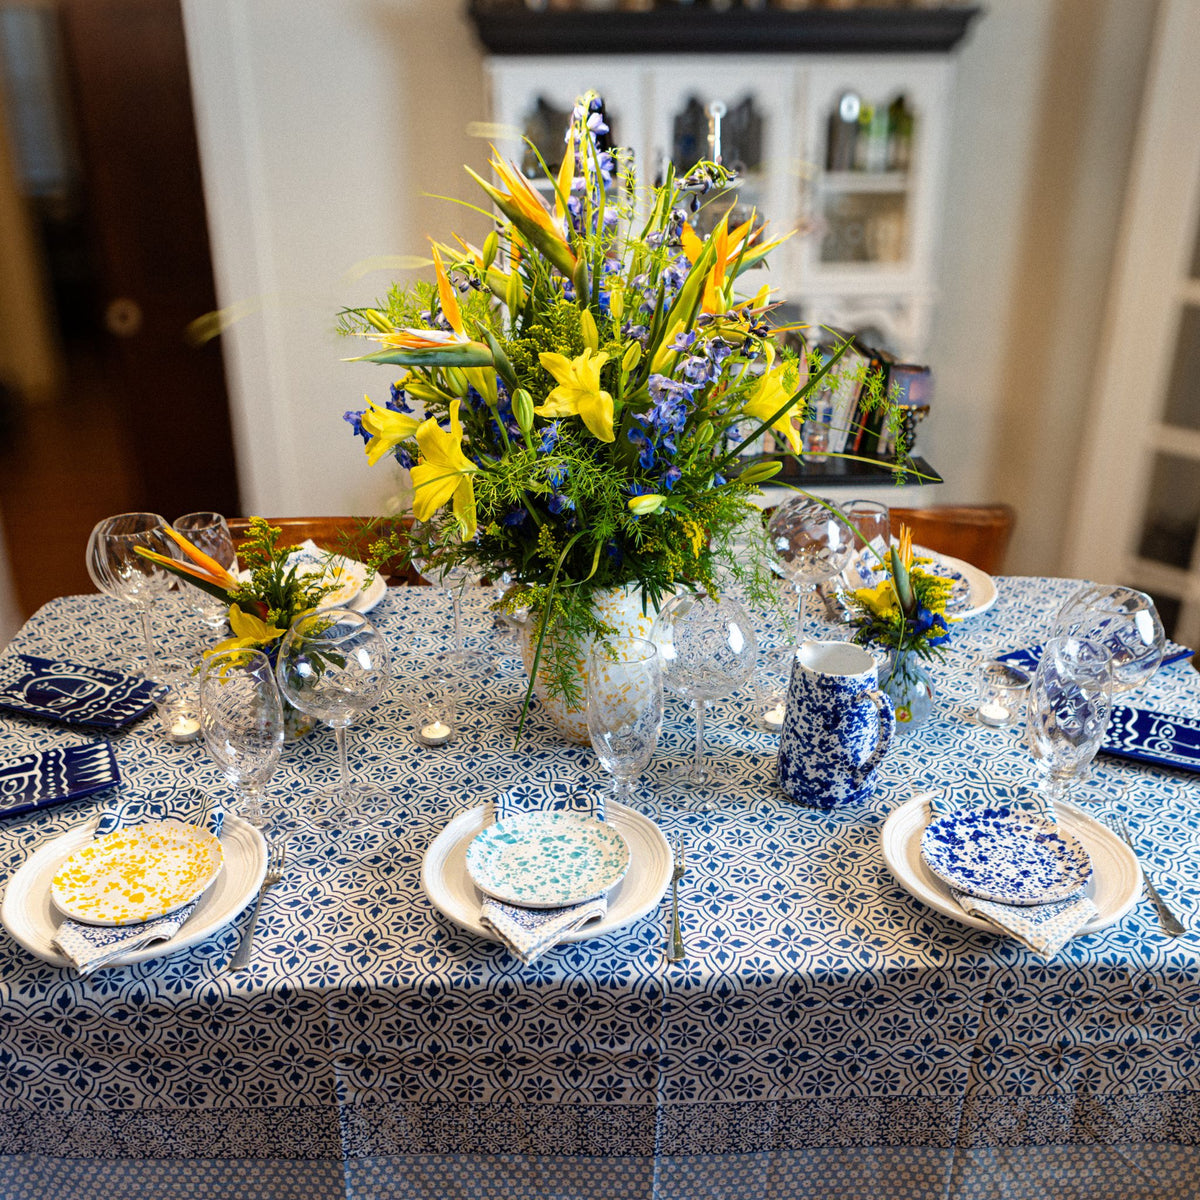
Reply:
x=1114, y=887
x=28, y=914
x=445, y=881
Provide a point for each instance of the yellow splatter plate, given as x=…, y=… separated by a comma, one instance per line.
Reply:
x=348, y=578
x=136, y=874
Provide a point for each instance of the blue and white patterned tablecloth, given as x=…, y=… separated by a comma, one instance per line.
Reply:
x=827, y=1035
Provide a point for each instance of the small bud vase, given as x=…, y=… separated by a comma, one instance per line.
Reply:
x=910, y=688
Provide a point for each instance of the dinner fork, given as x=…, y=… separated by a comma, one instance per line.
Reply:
x=1170, y=923
x=276, y=860
x=675, y=951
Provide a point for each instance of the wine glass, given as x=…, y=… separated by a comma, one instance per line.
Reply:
x=119, y=571
x=708, y=650
x=1122, y=620
x=871, y=527
x=625, y=708
x=241, y=717
x=1068, y=709
x=871, y=522
x=333, y=664
x=208, y=531
x=813, y=544
x=453, y=578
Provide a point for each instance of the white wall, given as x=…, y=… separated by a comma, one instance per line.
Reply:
x=1047, y=99
x=321, y=125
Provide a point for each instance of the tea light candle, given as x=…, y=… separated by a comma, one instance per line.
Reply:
x=436, y=733
x=773, y=718
x=183, y=728
x=991, y=713
x=1002, y=692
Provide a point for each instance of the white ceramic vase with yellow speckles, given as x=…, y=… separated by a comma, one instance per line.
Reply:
x=620, y=608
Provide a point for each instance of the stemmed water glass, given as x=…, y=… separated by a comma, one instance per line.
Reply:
x=333, y=664
x=453, y=579
x=625, y=709
x=1068, y=710
x=812, y=543
x=708, y=650
x=208, y=531
x=119, y=571
x=1123, y=621
x=241, y=717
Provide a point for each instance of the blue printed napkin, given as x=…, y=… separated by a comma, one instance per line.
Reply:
x=91, y=947
x=1043, y=928
x=1029, y=658
x=530, y=932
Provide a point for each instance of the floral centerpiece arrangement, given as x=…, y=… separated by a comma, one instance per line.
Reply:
x=906, y=613
x=589, y=380
x=273, y=591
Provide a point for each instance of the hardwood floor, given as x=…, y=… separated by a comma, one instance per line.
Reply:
x=64, y=465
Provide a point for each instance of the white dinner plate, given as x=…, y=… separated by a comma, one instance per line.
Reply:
x=1114, y=887
x=983, y=586
x=980, y=586
x=370, y=595
x=28, y=914
x=445, y=881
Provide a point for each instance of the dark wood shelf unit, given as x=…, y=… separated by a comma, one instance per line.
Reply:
x=844, y=472
x=506, y=29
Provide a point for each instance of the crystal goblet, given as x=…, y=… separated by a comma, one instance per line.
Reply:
x=333, y=664
x=625, y=709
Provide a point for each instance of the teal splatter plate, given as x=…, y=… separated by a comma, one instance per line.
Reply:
x=547, y=859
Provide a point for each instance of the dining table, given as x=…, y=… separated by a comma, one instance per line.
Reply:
x=826, y=1034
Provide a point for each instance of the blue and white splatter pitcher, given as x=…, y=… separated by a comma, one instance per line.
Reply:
x=837, y=727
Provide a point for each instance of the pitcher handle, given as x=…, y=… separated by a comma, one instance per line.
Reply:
x=887, y=726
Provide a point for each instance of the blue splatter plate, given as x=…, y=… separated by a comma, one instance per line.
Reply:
x=1004, y=854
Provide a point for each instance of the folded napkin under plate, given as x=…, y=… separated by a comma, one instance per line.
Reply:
x=55, y=776
x=91, y=947
x=1043, y=928
x=530, y=932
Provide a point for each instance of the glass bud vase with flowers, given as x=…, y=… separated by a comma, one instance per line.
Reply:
x=591, y=377
x=274, y=589
x=905, y=613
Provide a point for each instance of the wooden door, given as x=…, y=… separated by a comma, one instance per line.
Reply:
x=127, y=68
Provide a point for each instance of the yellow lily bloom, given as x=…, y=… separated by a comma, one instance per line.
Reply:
x=444, y=472
x=770, y=393
x=880, y=599
x=578, y=392
x=249, y=632
x=387, y=429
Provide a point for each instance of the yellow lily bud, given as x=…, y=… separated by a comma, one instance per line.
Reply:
x=587, y=326
x=378, y=320
x=632, y=356
x=643, y=506
x=616, y=305
x=522, y=406
x=456, y=381
x=491, y=245
x=664, y=351
x=515, y=294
